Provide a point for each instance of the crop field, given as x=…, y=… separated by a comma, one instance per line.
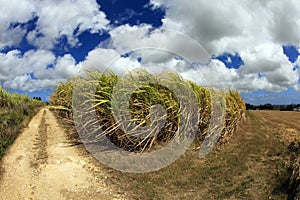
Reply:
x=260, y=161
x=140, y=104
x=257, y=155
x=252, y=161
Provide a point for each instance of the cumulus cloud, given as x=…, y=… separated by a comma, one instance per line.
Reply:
x=265, y=65
x=105, y=60
x=35, y=69
x=55, y=19
x=40, y=68
x=262, y=58
x=297, y=88
x=285, y=27
x=63, y=68
x=26, y=83
x=157, y=46
x=67, y=18
x=14, y=63
x=14, y=11
x=245, y=24
x=255, y=29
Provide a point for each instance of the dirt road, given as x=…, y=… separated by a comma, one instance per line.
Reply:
x=43, y=164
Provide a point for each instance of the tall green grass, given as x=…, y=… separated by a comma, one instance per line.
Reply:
x=15, y=112
x=140, y=103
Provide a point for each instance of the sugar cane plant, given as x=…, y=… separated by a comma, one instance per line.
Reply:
x=140, y=103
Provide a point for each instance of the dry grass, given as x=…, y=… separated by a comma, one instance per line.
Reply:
x=253, y=165
x=294, y=167
x=287, y=125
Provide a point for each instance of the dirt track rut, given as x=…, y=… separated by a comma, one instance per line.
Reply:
x=41, y=164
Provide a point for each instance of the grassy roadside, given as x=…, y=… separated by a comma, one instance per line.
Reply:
x=253, y=165
x=15, y=113
x=186, y=177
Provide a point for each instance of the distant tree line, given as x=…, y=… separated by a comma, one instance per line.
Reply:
x=291, y=107
x=268, y=106
x=37, y=98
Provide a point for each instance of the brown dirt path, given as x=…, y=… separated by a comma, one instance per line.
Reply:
x=43, y=164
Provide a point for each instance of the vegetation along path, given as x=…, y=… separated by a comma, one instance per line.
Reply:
x=43, y=164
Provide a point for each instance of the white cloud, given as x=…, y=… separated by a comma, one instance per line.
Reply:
x=265, y=59
x=14, y=63
x=11, y=12
x=26, y=83
x=40, y=69
x=284, y=76
x=270, y=61
x=108, y=59
x=17, y=70
x=155, y=46
x=62, y=18
x=285, y=26
x=297, y=87
x=56, y=19
x=255, y=29
x=7, y=63
x=217, y=75
x=230, y=26
x=34, y=60
x=63, y=68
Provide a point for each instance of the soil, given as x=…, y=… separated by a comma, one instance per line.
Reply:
x=44, y=164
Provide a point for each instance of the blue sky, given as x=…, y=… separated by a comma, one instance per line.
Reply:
x=253, y=46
